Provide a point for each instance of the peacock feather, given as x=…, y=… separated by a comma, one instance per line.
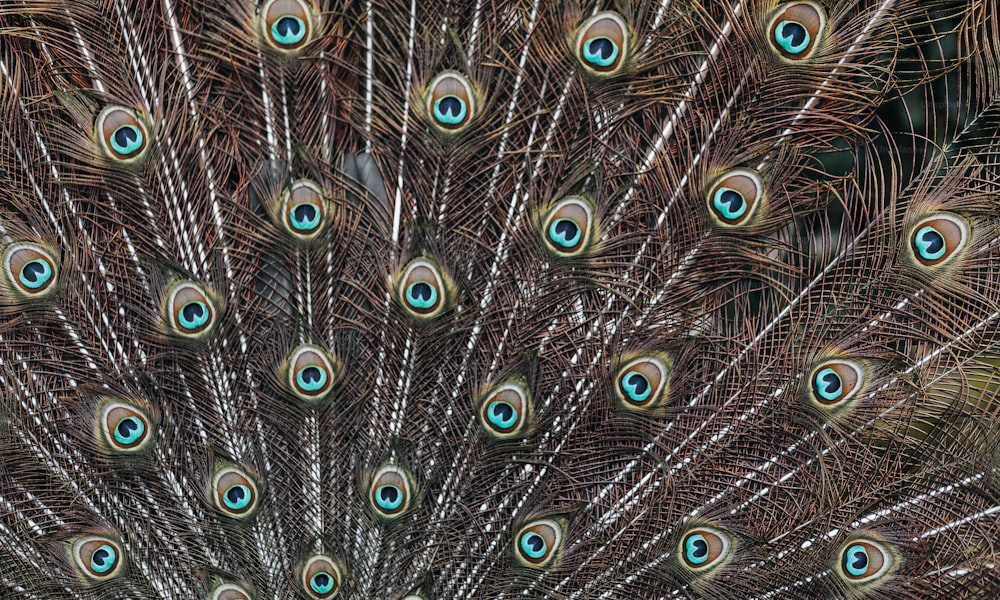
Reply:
x=482, y=300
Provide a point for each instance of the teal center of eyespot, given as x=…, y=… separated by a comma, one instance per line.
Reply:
x=305, y=216
x=321, y=583
x=565, y=233
x=730, y=204
x=600, y=51
x=288, y=30
x=696, y=549
x=129, y=430
x=388, y=497
x=421, y=295
x=450, y=110
x=103, y=559
x=929, y=242
x=856, y=560
x=636, y=386
x=127, y=139
x=829, y=384
x=792, y=36
x=311, y=378
x=533, y=545
x=502, y=414
x=193, y=315
x=237, y=497
x=35, y=274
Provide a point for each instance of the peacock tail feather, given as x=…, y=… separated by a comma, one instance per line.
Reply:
x=440, y=300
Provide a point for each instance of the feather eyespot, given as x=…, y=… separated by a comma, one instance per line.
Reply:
x=568, y=227
x=796, y=30
x=30, y=269
x=602, y=44
x=287, y=25
x=234, y=492
x=311, y=373
x=504, y=411
x=643, y=382
x=230, y=591
x=190, y=310
x=422, y=289
x=97, y=557
x=390, y=491
x=122, y=135
x=451, y=103
x=736, y=197
x=938, y=239
x=537, y=543
x=303, y=210
x=864, y=561
x=704, y=549
x=836, y=382
x=321, y=577
x=125, y=428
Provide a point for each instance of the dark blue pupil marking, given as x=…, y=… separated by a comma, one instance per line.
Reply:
x=602, y=47
x=35, y=272
x=565, y=233
x=502, y=414
x=236, y=495
x=305, y=214
x=312, y=375
x=288, y=27
x=733, y=202
x=321, y=582
x=856, y=560
x=933, y=241
x=637, y=383
x=129, y=429
x=193, y=312
x=389, y=494
x=450, y=108
x=126, y=137
x=792, y=36
x=794, y=32
x=533, y=545
x=831, y=384
x=421, y=293
x=699, y=549
x=102, y=559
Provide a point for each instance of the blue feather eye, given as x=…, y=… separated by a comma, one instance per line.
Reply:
x=304, y=210
x=121, y=134
x=30, y=270
x=865, y=561
x=321, y=577
x=97, y=558
x=568, y=227
x=834, y=383
x=451, y=103
x=939, y=238
x=642, y=382
x=503, y=411
x=390, y=491
x=190, y=310
x=287, y=25
x=796, y=29
x=538, y=543
x=125, y=428
x=422, y=289
x=234, y=493
x=312, y=373
x=736, y=197
x=602, y=44
x=704, y=549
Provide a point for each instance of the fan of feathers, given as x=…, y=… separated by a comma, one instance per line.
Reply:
x=481, y=300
